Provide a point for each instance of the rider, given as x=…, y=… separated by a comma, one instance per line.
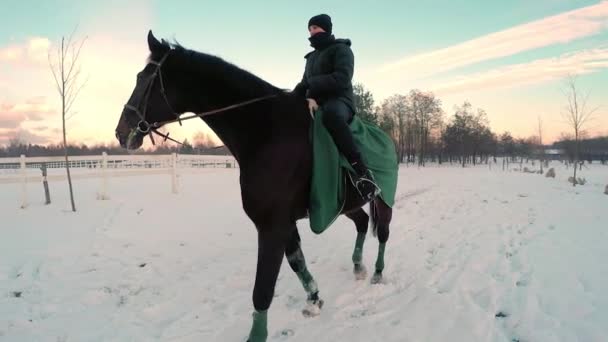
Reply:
x=327, y=82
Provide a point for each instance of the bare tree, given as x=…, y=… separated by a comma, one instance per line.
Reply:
x=394, y=110
x=66, y=72
x=577, y=114
x=425, y=110
x=540, y=143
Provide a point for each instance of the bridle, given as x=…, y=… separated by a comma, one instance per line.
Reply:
x=144, y=127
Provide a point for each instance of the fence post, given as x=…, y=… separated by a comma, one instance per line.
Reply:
x=23, y=183
x=174, y=173
x=104, y=177
x=45, y=184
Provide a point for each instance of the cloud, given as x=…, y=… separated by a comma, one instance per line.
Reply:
x=23, y=135
x=538, y=71
x=559, y=29
x=13, y=118
x=110, y=72
x=41, y=128
x=10, y=119
x=33, y=109
x=110, y=60
x=33, y=52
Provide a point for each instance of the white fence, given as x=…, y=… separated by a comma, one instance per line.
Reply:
x=26, y=170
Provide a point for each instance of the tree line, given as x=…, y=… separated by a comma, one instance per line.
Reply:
x=416, y=122
x=421, y=132
x=206, y=146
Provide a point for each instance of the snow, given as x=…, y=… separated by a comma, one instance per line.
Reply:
x=474, y=255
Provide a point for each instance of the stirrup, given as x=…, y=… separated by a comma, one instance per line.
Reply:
x=370, y=195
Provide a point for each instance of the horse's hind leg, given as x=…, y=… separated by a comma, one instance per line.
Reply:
x=361, y=220
x=297, y=262
x=381, y=219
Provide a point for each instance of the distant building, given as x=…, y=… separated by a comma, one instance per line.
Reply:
x=554, y=154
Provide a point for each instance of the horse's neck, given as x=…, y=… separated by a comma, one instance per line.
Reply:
x=248, y=129
x=245, y=129
x=233, y=134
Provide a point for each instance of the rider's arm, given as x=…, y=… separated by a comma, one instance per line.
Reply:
x=301, y=87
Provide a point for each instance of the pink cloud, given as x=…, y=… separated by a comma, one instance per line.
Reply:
x=33, y=109
x=110, y=58
x=559, y=29
x=22, y=135
x=538, y=71
x=11, y=119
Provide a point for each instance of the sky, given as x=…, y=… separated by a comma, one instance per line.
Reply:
x=509, y=58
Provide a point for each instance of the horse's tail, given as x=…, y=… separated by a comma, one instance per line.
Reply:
x=373, y=216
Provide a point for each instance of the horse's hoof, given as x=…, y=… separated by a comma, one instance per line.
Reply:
x=360, y=271
x=313, y=308
x=377, y=278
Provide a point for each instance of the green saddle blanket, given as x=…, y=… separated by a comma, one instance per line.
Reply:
x=329, y=169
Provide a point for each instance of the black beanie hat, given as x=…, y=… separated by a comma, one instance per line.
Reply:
x=321, y=20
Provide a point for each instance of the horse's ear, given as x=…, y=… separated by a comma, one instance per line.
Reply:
x=153, y=43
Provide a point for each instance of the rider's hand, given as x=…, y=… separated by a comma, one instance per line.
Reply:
x=312, y=106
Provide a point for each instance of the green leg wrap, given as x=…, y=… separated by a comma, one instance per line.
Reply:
x=298, y=264
x=358, y=252
x=259, y=329
x=309, y=283
x=380, y=260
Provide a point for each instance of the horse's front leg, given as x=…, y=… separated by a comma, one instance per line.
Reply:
x=271, y=246
x=297, y=262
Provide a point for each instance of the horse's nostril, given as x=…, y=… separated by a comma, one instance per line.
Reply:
x=120, y=139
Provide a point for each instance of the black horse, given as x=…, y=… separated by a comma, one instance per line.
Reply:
x=267, y=131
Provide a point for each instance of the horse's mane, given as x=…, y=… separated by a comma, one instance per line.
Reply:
x=210, y=65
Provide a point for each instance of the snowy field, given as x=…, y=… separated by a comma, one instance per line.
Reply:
x=474, y=255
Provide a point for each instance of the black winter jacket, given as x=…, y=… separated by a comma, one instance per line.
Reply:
x=328, y=74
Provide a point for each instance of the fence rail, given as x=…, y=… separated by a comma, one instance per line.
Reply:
x=24, y=169
x=121, y=161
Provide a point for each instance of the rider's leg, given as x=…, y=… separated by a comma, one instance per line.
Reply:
x=336, y=117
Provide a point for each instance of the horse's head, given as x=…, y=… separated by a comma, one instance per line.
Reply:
x=153, y=101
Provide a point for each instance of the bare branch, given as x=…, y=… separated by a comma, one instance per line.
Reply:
x=72, y=82
x=75, y=94
x=75, y=57
x=72, y=35
x=53, y=67
x=71, y=116
x=589, y=116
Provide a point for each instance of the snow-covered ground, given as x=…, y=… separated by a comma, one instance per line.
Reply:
x=474, y=255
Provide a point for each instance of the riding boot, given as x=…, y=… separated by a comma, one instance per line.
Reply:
x=336, y=119
x=365, y=182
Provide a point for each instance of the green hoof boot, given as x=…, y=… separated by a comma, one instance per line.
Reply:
x=360, y=271
x=314, y=304
x=377, y=278
x=259, y=329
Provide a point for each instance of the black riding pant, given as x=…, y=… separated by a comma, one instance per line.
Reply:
x=337, y=115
